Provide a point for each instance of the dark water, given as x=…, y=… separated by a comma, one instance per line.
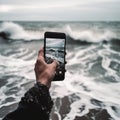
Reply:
x=90, y=90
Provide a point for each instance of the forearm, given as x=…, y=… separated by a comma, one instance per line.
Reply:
x=35, y=105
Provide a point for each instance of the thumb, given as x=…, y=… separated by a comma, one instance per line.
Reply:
x=54, y=65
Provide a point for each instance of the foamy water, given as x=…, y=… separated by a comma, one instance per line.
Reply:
x=91, y=35
x=92, y=77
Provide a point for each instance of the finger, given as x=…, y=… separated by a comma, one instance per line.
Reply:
x=54, y=64
x=41, y=52
x=41, y=60
x=40, y=64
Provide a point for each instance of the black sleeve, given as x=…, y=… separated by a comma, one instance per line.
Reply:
x=35, y=105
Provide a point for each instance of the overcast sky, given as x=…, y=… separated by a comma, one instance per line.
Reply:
x=50, y=42
x=60, y=10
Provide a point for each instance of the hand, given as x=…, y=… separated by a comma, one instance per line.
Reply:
x=44, y=72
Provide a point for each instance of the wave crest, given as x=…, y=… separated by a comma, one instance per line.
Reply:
x=15, y=31
x=89, y=35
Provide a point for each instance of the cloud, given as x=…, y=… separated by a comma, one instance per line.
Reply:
x=11, y=5
x=10, y=8
x=5, y=8
x=60, y=9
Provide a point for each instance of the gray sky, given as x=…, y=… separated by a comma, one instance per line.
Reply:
x=62, y=10
x=50, y=42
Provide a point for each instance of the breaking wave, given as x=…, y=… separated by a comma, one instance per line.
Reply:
x=91, y=86
x=17, y=32
x=90, y=36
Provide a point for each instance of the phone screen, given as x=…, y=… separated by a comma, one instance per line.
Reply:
x=55, y=50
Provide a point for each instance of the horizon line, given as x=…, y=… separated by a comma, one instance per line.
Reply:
x=60, y=20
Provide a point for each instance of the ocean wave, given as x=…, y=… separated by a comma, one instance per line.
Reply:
x=15, y=32
x=90, y=86
x=90, y=36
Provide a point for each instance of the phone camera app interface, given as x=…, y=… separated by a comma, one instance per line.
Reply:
x=55, y=51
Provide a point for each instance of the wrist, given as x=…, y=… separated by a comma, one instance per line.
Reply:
x=45, y=82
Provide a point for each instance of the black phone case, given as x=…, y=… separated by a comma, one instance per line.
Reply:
x=56, y=35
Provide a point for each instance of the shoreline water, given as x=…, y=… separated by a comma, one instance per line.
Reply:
x=91, y=88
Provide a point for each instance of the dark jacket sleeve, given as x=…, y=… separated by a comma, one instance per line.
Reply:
x=35, y=105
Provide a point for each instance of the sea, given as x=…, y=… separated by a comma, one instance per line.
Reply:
x=91, y=89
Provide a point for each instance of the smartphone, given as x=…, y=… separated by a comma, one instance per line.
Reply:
x=55, y=49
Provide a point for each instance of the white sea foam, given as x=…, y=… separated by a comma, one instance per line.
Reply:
x=21, y=70
x=17, y=32
x=81, y=61
x=76, y=83
x=89, y=35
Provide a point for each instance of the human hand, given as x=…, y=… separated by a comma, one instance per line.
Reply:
x=44, y=72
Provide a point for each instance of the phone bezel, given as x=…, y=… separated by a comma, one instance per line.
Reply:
x=56, y=35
